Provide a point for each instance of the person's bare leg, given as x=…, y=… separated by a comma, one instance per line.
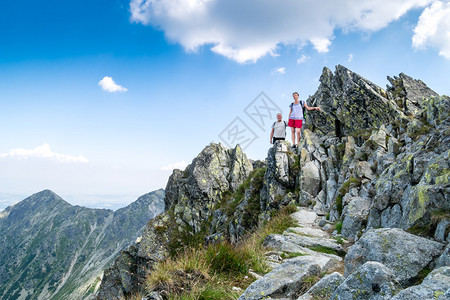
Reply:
x=293, y=135
x=299, y=134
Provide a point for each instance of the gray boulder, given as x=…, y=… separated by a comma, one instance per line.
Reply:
x=285, y=281
x=372, y=280
x=402, y=252
x=311, y=178
x=302, y=241
x=435, y=286
x=356, y=214
x=324, y=288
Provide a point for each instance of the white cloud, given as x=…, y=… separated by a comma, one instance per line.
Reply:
x=43, y=152
x=303, y=59
x=321, y=44
x=178, y=165
x=108, y=84
x=281, y=70
x=433, y=28
x=246, y=31
x=350, y=57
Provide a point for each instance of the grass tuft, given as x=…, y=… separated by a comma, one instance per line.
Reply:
x=224, y=258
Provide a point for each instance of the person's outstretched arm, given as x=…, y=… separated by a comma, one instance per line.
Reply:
x=311, y=107
x=271, y=135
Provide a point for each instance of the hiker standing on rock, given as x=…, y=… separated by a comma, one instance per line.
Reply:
x=296, y=117
x=278, y=132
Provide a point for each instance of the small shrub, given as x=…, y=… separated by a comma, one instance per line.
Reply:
x=307, y=283
x=421, y=275
x=422, y=229
x=439, y=215
x=339, y=199
x=338, y=227
x=291, y=255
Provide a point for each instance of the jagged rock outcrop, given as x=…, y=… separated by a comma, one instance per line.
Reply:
x=194, y=192
x=53, y=250
x=351, y=104
x=192, y=196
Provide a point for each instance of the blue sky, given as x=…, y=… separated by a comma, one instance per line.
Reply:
x=178, y=72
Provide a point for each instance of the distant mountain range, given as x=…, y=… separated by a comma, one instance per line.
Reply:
x=51, y=249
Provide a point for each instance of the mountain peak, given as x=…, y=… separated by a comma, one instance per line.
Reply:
x=44, y=199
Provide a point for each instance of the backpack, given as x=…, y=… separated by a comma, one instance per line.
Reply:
x=303, y=108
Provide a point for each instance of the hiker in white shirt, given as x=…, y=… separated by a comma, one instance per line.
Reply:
x=278, y=132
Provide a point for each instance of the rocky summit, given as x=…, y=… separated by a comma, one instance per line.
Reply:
x=53, y=250
x=370, y=187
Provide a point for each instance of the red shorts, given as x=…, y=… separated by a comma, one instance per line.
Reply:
x=295, y=123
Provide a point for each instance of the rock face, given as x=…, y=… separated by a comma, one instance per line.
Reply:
x=402, y=252
x=53, y=250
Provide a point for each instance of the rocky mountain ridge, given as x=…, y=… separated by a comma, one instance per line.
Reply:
x=372, y=167
x=53, y=250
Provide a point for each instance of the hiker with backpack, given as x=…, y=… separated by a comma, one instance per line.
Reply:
x=296, y=117
x=278, y=132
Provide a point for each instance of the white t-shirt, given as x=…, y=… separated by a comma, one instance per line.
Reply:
x=297, y=110
x=279, y=129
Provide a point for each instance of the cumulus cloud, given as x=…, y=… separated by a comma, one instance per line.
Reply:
x=43, y=152
x=178, y=165
x=245, y=31
x=281, y=70
x=108, y=84
x=433, y=28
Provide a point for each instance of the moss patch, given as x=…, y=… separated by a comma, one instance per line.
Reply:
x=323, y=249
